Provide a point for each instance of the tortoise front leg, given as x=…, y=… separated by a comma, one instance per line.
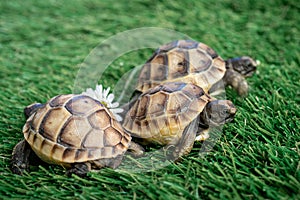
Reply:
x=236, y=71
x=185, y=143
x=136, y=150
x=20, y=157
x=237, y=81
x=202, y=134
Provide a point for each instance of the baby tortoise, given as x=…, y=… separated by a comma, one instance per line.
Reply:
x=194, y=62
x=75, y=131
x=168, y=114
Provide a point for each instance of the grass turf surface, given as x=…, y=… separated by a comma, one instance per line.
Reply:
x=42, y=44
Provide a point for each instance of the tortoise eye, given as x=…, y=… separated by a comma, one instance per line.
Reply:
x=224, y=113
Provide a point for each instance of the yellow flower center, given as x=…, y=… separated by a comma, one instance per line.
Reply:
x=103, y=103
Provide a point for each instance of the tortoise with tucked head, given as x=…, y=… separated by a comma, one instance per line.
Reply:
x=194, y=62
x=172, y=113
x=75, y=131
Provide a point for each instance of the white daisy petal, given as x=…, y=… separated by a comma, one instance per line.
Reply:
x=89, y=92
x=110, y=97
x=105, y=92
x=114, y=105
x=118, y=117
x=99, y=90
x=106, y=99
x=117, y=110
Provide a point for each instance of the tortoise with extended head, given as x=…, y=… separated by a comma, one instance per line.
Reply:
x=167, y=114
x=75, y=131
x=193, y=62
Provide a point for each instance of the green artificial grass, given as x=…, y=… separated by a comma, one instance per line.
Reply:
x=43, y=43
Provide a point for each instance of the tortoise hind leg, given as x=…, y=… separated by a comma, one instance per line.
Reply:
x=20, y=157
x=80, y=169
x=108, y=162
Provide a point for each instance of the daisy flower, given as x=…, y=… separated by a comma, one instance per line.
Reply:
x=106, y=99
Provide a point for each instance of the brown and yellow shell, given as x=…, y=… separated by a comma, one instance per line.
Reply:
x=75, y=128
x=161, y=113
x=185, y=61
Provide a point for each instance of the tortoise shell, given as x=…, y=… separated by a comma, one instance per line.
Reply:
x=75, y=128
x=185, y=61
x=160, y=114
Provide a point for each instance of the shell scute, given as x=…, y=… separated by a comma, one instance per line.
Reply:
x=199, y=61
x=157, y=103
x=82, y=105
x=56, y=152
x=74, y=131
x=168, y=47
x=94, y=139
x=53, y=122
x=112, y=136
x=209, y=50
x=59, y=100
x=68, y=155
x=178, y=65
x=141, y=108
x=36, y=119
x=81, y=154
x=178, y=103
x=187, y=44
x=100, y=119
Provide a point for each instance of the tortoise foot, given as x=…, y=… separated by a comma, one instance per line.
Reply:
x=80, y=169
x=19, y=168
x=20, y=158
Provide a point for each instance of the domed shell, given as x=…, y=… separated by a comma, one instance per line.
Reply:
x=161, y=113
x=75, y=128
x=185, y=61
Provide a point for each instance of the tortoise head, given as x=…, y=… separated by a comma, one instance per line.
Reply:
x=244, y=65
x=29, y=110
x=218, y=112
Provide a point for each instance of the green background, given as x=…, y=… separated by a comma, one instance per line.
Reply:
x=42, y=44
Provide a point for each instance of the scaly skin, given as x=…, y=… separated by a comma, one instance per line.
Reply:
x=236, y=71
